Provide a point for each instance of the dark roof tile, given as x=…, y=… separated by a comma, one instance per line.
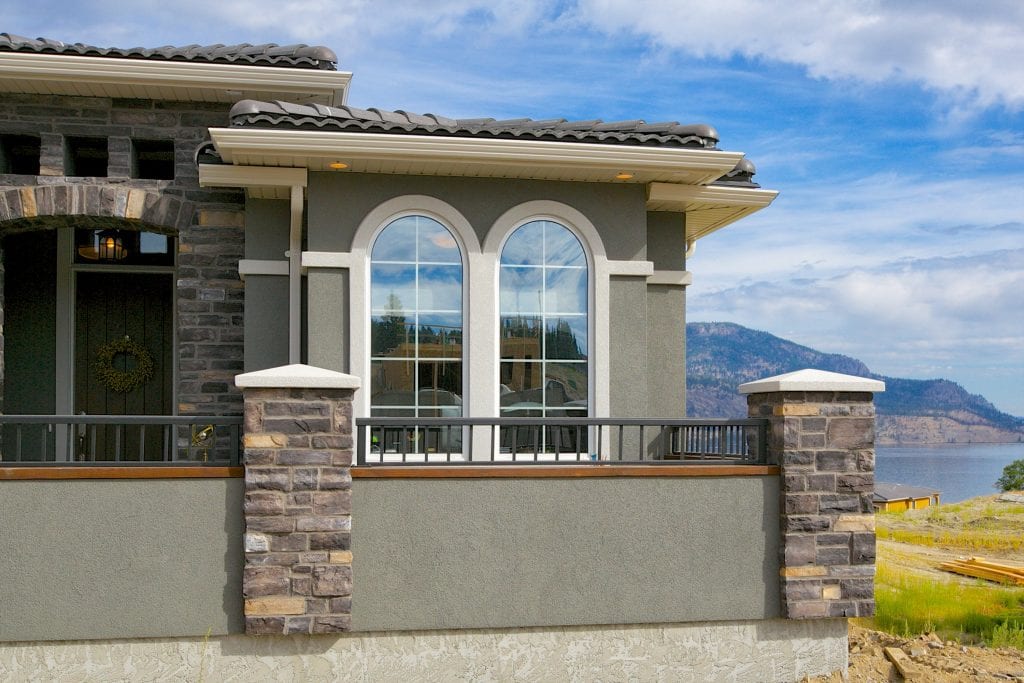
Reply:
x=268, y=54
x=636, y=132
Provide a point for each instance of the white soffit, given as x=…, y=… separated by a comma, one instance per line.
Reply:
x=260, y=182
x=469, y=156
x=47, y=74
x=708, y=208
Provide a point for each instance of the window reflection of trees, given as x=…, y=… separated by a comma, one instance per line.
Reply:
x=543, y=323
x=416, y=320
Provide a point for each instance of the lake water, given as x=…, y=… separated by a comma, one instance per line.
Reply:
x=958, y=471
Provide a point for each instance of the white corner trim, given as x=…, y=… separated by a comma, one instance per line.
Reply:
x=221, y=175
x=632, y=268
x=671, y=277
x=297, y=376
x=326, y=259
x=812, y=380
x=248, y=266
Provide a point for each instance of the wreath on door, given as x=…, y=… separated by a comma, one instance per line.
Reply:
x=123, y=381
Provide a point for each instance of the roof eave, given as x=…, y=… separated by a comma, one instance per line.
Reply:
x=708, y=208
x=469, y=156
x=163, y=79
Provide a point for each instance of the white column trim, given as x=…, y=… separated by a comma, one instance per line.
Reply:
x=249, y=266
x=327, y=259
x=630, y=268
x=671, y=277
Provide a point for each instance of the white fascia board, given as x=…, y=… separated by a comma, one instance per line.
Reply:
x=687, y=196
x=298, y=145
x=229, y=79
x=221, y=175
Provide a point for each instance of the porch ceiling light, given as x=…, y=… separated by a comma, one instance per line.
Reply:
x=106, y=245
x=337, y=165
x=623, y=175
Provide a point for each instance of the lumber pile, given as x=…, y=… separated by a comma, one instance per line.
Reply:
x=980, y=568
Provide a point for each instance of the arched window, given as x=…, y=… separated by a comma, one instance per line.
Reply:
x=416, y=320
x=544, y=323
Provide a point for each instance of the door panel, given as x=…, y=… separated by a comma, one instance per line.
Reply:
x=110, y=306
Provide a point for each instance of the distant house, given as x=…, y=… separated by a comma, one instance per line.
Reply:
x=891, y=497
x=454, y=350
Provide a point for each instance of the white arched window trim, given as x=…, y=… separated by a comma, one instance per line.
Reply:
x=486, y=362
x=359, y=282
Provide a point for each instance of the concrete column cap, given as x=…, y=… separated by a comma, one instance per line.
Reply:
x=297, y=376
x=812, y=380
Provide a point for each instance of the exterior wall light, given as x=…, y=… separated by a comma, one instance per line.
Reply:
x=337, y=165
x=106, y=245
x=623, y=175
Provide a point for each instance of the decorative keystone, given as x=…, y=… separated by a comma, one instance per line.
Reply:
x=822, y=430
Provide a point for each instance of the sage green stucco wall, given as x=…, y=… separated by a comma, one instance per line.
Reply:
x=666, y=350
x=338, y=202
x=627, y=346
x=92, y=558
x=486, y=553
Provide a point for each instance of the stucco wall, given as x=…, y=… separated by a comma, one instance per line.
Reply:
x=488, y=553
x=338, y=202
x=84, y=559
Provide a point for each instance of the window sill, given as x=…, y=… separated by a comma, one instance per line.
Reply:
x=558, y=471
x=28, y=472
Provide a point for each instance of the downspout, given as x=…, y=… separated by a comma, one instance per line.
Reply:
x=295, y=277
x=691, y=247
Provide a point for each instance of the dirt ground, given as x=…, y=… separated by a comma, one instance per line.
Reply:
x=934, y=661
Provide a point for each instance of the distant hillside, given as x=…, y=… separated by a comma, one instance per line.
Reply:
x=721, y=356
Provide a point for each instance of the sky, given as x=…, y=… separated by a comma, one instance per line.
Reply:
x=894, y=132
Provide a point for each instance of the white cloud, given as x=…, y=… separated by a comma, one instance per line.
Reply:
x=969, y=50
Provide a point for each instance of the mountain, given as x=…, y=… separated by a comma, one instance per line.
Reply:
x=721, y=356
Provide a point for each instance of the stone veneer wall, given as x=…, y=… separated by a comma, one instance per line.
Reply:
x=208, y=223
x=824, y=442
x=298, y=566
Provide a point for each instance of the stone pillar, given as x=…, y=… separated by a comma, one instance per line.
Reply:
x=297, y=457
x=822, y=435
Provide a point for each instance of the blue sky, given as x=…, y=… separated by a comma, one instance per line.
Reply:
x=894, y=132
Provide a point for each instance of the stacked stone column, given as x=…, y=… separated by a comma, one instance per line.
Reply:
x=297, y=456
x=822, y=436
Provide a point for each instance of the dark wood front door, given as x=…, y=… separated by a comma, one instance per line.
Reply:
x=111, y=306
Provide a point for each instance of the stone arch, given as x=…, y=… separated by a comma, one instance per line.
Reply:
x=92, y=206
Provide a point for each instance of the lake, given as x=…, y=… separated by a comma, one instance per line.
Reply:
x=958, y=471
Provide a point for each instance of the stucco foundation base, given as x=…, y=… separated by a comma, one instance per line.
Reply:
x=775, y=650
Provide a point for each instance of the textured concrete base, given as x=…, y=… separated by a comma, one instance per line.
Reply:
x=775, y=650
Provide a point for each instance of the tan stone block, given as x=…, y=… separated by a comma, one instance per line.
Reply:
x=270, y=440
x=809, y=570
x=136, y=204
x=28, y=202
x=255, y=607
x=854, y=523
x=831, y=592
x=222, y=218
x=341, y=557
x=797, y=410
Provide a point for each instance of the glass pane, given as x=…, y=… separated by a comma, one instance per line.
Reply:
x=440, y=336
x=521, y=290
x=392, y=383
x=520, y=337
x=561, y=247
x=397, y=242
x=440, y=288
x=152, y=243
x=440, y=385
x=525, y=246
x=394, y=290
x=437, y=245
x=521, y=386
x=392, y=335
x=565, y=291
x=565, y=338
x=565, y=387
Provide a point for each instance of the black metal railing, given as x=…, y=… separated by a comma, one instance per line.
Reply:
x=119, y=440
x=528, y=441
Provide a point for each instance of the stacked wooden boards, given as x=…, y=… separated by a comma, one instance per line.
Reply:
x=981, y=568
